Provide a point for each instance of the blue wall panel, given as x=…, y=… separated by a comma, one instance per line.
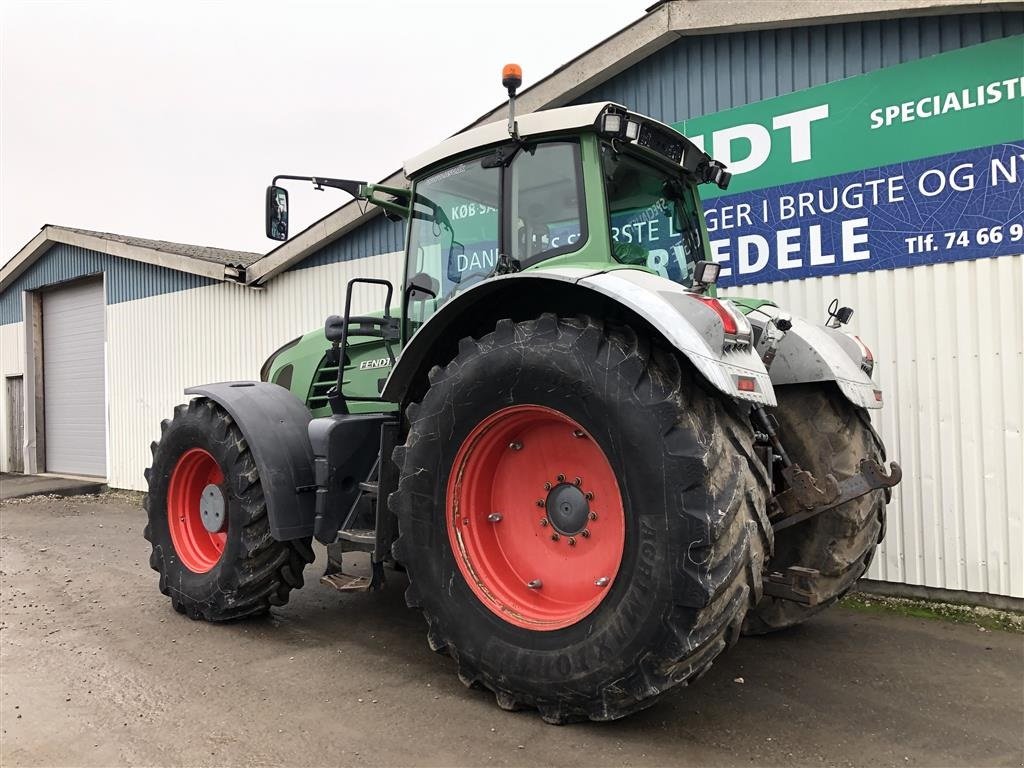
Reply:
x=126, y=279
x=700, y=75
x=378, y=236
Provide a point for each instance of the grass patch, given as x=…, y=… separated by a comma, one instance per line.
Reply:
x=982, y=618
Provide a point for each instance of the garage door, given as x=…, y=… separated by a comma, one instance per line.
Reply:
x=73, y=387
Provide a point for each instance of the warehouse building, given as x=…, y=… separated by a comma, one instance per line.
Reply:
x=878, y=152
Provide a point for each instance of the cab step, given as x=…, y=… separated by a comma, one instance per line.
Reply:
x=346, y=582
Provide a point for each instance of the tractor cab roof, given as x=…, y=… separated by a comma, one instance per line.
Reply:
x=532, y=125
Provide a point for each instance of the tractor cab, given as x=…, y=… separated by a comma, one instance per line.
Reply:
x=593, y=187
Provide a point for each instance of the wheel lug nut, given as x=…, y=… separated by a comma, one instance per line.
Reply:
x=578, y=433
x=543, y=522
x=547, y=486
x=540, y=502
x=560, y=478
x=589, y=496
x=593, y=515
x=515, y=445
x=585, y=533
x=494, y=517
x=601, y=582
x=554, y=537
x=572, y=541
x=535, y=584
x=578, y=482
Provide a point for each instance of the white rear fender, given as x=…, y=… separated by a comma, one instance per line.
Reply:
x=810, y=353
x=689, y=323
x=691, y=327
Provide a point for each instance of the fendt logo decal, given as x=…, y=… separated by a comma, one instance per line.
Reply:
x=369, y=365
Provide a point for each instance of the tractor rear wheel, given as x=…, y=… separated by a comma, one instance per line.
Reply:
x=581, y=518
x=824, y=433
x=208, y=521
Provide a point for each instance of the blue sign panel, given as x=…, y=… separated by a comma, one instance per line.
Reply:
x=964, y=205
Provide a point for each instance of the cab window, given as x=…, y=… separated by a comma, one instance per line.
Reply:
x=456, y=233
x=453, y=238
x=546, y=202
x=655, y=217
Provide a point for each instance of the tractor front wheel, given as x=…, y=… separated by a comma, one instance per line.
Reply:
x=208, y=521
x=580, y=518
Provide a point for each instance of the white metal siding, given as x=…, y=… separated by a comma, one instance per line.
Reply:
x=947, y=339
x=160, y=345
x=949, y=349
x=73, y=381
x=12, y=363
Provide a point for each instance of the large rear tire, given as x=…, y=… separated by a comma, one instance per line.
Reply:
x=824, y=433
x=203, y=474
x=521, y=441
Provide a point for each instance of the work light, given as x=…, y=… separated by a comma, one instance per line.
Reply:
x=612, y=124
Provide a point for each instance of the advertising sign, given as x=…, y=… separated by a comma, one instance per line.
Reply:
x=915, y=164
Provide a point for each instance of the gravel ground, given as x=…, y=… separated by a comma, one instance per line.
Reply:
x=97, y=669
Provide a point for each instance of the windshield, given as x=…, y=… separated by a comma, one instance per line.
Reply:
x=655, y=217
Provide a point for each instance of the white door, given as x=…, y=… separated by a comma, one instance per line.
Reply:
x=73, y=383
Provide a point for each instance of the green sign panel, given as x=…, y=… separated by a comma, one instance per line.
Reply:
x=972, y=97
x=914, y=164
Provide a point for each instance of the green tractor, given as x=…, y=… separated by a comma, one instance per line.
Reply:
x=595, y=473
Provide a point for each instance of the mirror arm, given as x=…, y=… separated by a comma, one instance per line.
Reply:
x=354, y=188
x=400, y=206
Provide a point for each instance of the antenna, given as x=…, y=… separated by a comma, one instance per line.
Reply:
x=512, y=78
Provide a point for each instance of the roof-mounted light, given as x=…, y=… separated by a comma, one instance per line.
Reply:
x=611, y=124
x=632, y=130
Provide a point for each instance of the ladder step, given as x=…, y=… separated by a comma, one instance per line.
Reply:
x=358, y=536
x=346, y=582
x=369, y=487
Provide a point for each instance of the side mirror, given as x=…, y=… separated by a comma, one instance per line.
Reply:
x=334, y=328
x=422, y=286
x=277, y=213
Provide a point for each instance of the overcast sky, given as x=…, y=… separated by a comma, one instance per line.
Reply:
x=168, y=120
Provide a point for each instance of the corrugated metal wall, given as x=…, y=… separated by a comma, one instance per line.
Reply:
x=949, y=348
x=159, y=345
x=700, y=75
x=126, y=279
x=12, y=363
x=948, y=338
x=379, y=235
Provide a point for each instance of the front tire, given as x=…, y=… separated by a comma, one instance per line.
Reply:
x=680, y=539
x=207, y=521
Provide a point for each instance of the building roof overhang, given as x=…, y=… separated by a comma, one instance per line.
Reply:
x=214, y=263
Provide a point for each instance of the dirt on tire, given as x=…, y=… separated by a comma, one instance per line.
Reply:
x=824, y=433
x=255, y=571
x=694, y=498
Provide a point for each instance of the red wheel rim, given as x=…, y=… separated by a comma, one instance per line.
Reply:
x=198, y=549
x=535, y=517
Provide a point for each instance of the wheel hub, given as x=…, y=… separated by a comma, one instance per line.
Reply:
x=197, y=510
x=535, y=517
x=212, y=508
x=568, y=509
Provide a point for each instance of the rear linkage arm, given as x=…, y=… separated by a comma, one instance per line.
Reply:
x=804, y=499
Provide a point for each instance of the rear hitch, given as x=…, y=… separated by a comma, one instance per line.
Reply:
x=806, y=498
x=796, y=584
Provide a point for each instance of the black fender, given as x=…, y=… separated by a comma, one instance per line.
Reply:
x=275, y=426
